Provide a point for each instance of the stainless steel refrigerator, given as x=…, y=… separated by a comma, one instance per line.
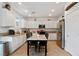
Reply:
x=62, y=33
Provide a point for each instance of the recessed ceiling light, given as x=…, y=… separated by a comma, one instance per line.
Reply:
x=52, y=10
x=50, y=14
x=19, y=3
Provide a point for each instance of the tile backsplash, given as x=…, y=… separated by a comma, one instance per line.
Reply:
x=3, y=30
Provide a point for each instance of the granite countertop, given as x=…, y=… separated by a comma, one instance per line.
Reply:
x=18, y=34
x=5, y=34
x=2, y=42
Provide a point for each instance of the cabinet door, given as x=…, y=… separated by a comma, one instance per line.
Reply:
x=52, y=36
x=71, y=32
x=24, y=38
x=12, y=44
x=18, y=40
x=21, y=40
x=15, y=41
x=7, y=18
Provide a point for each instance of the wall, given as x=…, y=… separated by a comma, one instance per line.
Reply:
x=72, y=30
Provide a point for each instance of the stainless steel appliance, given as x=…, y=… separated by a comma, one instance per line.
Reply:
x=41, y=26
x=62, y=33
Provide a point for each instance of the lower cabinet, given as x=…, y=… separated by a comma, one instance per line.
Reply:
x=13, y=44
x=16, y=42
x=52, y=36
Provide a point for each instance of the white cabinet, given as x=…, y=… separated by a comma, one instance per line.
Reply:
x=31, y=24
x=35, y=24
x=24, y=38
x=51, y=24
x=12, y=44
x=52, y=36
x=18, y=41
x=22, y=23
x=10, y=40
x=71, y=31
x=7, y=18
x=14, y=41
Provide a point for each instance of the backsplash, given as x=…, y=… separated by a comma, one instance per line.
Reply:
x=3, y=30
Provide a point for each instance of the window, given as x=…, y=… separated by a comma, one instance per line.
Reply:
x=17, y=20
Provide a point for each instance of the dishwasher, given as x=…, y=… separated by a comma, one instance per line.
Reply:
x=4, y=48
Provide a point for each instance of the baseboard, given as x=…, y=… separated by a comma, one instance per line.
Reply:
x=68, y=52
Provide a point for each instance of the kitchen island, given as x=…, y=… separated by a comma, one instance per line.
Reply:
x=38, y=39
x=15, y=41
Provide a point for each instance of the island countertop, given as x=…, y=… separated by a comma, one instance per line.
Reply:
x=5, y=34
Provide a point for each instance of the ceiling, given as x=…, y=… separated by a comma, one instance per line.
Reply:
x=39, y=9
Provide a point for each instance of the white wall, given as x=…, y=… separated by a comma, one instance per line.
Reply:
x=72, y=31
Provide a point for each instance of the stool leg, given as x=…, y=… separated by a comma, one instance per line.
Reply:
x=46, y=50
x=39, y=48
x=36, y=48
x=28, y=48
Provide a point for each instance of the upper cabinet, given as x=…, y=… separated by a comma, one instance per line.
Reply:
x=35, y=24
x=10, y=19
x=7, y=18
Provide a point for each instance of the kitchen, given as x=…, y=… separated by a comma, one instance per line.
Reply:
x=28, y=17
